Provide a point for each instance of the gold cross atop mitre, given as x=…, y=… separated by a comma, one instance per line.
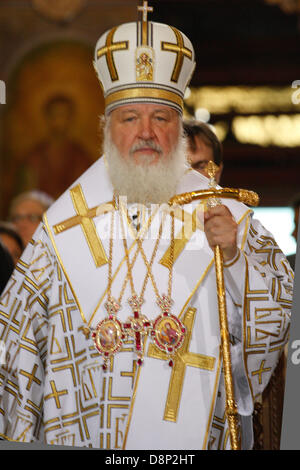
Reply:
x=145, y=9
x=144, y=62
x=143, y=37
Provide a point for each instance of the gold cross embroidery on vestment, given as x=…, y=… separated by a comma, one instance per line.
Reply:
x=84, y=217
x=181, y=360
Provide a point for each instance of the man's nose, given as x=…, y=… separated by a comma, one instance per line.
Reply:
x=146, y=130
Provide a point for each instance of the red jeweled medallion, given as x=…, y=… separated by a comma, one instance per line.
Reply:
x=168, y=331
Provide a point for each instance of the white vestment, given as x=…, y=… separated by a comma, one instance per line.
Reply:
x=52, y=386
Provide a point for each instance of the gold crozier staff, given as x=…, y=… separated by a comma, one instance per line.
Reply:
x=213, y=195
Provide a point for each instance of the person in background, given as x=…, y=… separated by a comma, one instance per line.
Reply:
x=26, y=212
x=11, y=239
x=203, y=146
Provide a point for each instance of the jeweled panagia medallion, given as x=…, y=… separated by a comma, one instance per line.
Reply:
x=168, y=331
x=108, y=335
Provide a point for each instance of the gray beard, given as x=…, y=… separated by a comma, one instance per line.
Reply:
x=152, y=184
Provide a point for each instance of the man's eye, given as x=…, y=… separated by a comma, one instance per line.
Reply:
x=199, y=165
x=129, y=119
x=161, y=118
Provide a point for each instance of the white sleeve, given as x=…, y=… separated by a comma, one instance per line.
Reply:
x=259, y=285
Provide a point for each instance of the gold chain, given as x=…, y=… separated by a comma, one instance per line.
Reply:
x=149, y=265
x=86, y=330
x=138, y=325
x=110, y=255
x=129, y=265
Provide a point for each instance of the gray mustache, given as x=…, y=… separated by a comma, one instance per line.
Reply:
x=146, y=143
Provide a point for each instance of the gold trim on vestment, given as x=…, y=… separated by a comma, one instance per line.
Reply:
x=183, y=238
x=45, y=218
x=195, y=288
x=133, y=399
x=184, y=235
x=246, y=227
x=88, y=226
x=113, y=277
x=82, y=315
x=6, y=438
x=245, y=355
x=68, y=279
x=139, y=370
x=233, y=260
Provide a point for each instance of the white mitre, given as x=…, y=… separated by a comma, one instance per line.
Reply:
x=144, y=62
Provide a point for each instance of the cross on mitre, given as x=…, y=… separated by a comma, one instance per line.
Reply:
x=108, y=50
x=145, y=9
x=180, y=50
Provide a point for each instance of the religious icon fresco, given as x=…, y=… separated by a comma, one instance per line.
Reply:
x=51, y=129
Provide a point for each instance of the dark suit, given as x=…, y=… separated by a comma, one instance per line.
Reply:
x=6, y=267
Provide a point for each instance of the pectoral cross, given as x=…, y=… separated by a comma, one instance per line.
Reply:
x=137, y=325
x=181, y=360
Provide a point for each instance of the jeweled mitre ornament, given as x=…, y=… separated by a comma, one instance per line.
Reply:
x=144, y=62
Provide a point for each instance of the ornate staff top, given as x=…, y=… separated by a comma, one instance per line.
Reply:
x=243, y=195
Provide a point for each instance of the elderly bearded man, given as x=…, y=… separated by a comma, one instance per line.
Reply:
x=84, y=313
